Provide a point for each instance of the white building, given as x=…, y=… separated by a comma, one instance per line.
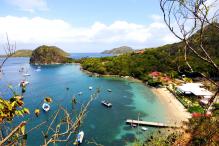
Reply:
x=196, y=89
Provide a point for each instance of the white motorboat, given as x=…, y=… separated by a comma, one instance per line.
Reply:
x=79, y=138
x=144, y=128
x=46, y=107
x=107, y=104
x=90, y=88
x=26, y=74
x=109, y=90
x=38, y=70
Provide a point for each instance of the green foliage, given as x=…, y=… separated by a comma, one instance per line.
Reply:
x=161, y=139
x=22, y=53
x=196, y=109
x=49, y=55
x=154, y=83
x=11, y=108
x=204, y=131
x=120, y=50
x=168, y=59
x=216, y=105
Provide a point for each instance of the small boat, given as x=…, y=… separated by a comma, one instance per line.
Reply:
x=46, y=107
x=107, y=104
x=133, y=125
x=26, y=74
x=38, y=69
x=144, y=128
x=80, y=93
x=109, y=90
x=90, y=88
x=79, y=138
x=23, y=83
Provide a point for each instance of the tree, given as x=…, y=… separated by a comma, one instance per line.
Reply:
x=186, y=17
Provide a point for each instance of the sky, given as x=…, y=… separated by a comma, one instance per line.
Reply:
x=83, y=25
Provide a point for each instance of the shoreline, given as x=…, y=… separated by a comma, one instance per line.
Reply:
x=176, y=113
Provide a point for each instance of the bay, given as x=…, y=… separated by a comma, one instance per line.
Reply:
x=105, y=126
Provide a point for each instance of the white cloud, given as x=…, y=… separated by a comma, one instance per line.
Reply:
x=29, y=5
x=39, y=30
x=156, y=17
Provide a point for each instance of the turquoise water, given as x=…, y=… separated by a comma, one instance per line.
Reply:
x=106, y=126
x=83, y=55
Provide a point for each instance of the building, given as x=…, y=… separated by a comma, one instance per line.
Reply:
x=196, y=89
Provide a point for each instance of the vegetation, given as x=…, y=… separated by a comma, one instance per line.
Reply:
x=167, y=59
x=22, y=53
x=49, y=55
x=119, y=51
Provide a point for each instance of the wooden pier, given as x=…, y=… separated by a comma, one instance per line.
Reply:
x=145, y=123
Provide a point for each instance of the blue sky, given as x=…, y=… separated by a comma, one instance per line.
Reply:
x=83, y=25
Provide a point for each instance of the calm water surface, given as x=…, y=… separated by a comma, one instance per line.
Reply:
x=106, y=126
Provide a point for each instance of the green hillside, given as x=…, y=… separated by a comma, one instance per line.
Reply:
x=168, y=59
x=49, y=55
x=23, y=53
x=119, y=50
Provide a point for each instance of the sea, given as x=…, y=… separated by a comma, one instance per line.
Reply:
x=105, y=126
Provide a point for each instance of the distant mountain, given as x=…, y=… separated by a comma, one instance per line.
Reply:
x=119, y=50
x=48, y=55
x=21, y=53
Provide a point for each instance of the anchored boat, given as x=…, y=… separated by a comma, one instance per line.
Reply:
x=109, y=90
x=144, y=128
x=79, y=138
x=46, y=107
x=23, y=83
x=107, y=104
x=26, y=74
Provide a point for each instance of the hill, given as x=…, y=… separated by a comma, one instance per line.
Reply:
x=168, y=59
x=119, y=50
x=49, y=55
x=22, y=53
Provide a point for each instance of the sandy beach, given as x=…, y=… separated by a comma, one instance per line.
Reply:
x=176, y=113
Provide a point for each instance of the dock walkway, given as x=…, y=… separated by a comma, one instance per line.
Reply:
x=146, y=123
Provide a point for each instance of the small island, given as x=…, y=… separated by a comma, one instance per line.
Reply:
x=49, y=55
x=119, y=50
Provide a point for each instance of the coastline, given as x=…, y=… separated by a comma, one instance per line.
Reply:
x=176, y=112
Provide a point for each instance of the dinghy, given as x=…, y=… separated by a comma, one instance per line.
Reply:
x=46, y=107
x=90, y=88
x=26, y=74
x=144, y=128
x=79, y=138
x=109, y=90
x=107, y=104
